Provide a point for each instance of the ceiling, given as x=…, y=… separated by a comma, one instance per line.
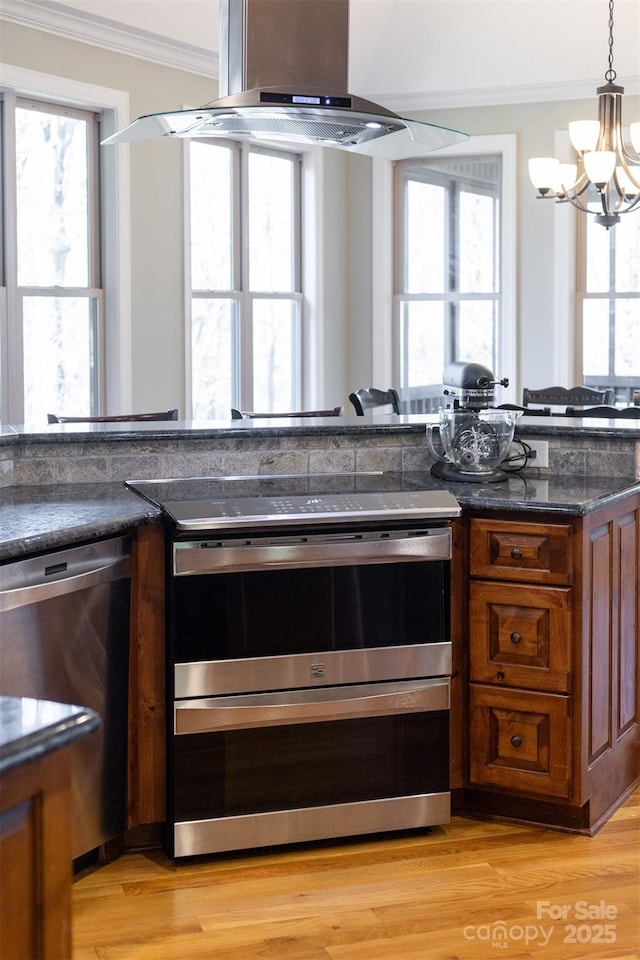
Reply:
x=403, y=53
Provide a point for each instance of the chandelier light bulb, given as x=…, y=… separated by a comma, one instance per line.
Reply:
x=543, y=173
x=584, y=134
x=634, y=133
x=599, y=166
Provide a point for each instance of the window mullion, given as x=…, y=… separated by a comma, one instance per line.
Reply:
x=242, y=279
x=451, y=242
x=11, y=348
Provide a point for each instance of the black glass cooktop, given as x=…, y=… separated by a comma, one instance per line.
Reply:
x=209, y=503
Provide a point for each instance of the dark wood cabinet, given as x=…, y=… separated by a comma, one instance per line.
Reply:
x=545, y=694
x=35, y=860
x=554, y=718
x=529, y=552
x=146, y=781
x=520, y=740
x=520, y=636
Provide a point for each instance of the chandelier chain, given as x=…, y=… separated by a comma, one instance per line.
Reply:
x=610, y=75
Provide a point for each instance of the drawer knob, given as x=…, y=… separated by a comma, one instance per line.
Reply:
x=499, y=675
x=516, y=553
x=515, y=637
x=516, y=741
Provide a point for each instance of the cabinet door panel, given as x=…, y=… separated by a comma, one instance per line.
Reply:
x=520, y=636
x=520, y=741
x=529, y=552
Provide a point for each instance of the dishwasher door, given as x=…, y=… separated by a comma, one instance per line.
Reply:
x=64, y=636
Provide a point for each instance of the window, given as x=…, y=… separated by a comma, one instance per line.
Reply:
x=448, y=275
x=609, y=305
x=51, y=232
x=246, y=300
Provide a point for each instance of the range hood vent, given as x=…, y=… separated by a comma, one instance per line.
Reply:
x=283, y=78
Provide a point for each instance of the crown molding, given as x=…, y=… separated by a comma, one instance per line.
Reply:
x=498, y=96
x=64, y=21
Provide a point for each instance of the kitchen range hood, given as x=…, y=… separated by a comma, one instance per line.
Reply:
x=283, y=78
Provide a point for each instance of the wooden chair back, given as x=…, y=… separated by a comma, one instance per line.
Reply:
x=565, y=396
x=626, y=413
x=371, y=397
x=120, y=418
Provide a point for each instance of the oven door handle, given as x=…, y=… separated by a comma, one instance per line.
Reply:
x=195, y=556
x=213, y=715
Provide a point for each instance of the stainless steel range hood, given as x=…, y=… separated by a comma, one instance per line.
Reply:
x=283, y=78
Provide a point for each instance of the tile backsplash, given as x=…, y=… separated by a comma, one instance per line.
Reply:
x=81, y=460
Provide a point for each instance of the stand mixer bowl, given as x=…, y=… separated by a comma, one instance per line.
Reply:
x=474, y=442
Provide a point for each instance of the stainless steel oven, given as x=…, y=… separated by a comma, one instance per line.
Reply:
x=309, y=659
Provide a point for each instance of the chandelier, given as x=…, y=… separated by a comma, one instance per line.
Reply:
x=605, y=162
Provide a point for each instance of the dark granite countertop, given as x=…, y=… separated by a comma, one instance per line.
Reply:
x=571, y=495
x=556, y=494
x=31, y=728
x=39, y=518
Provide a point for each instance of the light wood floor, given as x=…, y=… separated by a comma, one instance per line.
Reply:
x=468, y=890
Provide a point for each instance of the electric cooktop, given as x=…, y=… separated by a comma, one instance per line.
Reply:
x=210, y=503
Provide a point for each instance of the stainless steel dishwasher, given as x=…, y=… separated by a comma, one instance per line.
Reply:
x=64, y=636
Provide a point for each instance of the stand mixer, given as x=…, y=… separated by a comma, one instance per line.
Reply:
x=475, y=438
x=470, y=385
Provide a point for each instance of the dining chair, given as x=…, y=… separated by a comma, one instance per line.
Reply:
x=370, y=398
x=119, y=418
x=616, y=413
x=252, y=415
x=565, y=396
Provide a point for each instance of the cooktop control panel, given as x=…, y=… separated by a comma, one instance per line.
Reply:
x=202, y=504
x=254, y=511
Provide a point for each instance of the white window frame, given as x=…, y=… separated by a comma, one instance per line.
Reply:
x=116, y=233
x=569, y=277
x=313, y=339
x=383, y=347
x=567, y=338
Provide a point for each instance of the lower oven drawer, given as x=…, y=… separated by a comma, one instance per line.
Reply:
x=268, y=769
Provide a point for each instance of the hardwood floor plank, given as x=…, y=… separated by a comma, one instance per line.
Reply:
x=465, y=891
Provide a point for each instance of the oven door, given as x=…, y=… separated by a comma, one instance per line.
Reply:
x=300, y=610
x=267, y=769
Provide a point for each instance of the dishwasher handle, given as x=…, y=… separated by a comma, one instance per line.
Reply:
x=22, y=596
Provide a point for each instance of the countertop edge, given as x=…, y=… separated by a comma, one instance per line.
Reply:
x=308, y=426
x=69, y=724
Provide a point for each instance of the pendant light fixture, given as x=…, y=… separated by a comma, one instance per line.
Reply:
x=605, y=162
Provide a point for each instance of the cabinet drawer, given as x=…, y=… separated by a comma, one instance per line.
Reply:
x=530, y=552
x=520, y=636
x=520, y=740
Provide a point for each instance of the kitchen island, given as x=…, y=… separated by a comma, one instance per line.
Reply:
x=576, y=754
